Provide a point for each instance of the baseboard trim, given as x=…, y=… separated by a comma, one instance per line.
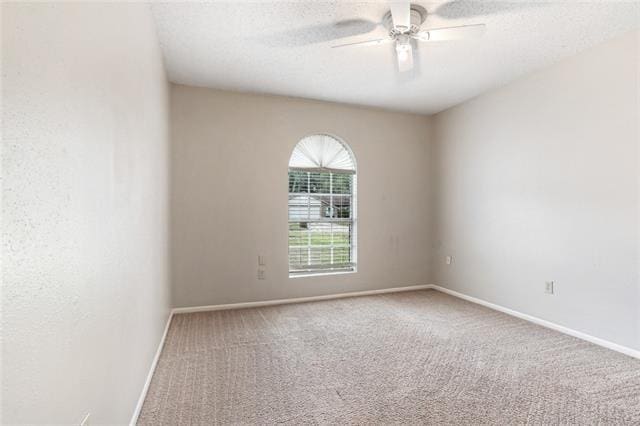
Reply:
x=548, y=324
x=152, y=369
x=297, y=299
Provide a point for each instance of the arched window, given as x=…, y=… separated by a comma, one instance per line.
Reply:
x=322, y=207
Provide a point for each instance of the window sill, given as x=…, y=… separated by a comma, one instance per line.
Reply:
x=320, y=274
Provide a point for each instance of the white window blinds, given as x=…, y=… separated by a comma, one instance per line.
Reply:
x=322, y=152
x=322, y=208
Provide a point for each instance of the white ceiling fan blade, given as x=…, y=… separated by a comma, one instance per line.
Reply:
x=401, y=14
x=405, y=57
x=319, y=33
x=364, y=42
x=452, y=33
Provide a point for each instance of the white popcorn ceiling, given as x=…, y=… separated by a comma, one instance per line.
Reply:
x=280, y=47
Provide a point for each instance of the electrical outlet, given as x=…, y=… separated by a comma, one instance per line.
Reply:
x=261, y=260
x=448, y=260
x=548, y=287
x=261, y=274
x=85, y=420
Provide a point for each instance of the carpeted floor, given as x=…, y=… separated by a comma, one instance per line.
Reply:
x=415, y=357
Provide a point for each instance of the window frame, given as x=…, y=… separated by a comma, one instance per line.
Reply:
x=352, y=221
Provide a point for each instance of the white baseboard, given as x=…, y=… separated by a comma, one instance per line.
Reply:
x=562, y=329
x=297, y=299
x=152, y=369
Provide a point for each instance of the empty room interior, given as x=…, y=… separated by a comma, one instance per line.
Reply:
x=320, y=212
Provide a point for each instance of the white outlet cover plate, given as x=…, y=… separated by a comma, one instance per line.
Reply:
x=548, y=287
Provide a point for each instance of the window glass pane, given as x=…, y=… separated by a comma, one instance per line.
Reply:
x=298, y=257
x=341, y=234
x=319, y=207
x=341, y=183
x=320, y=256
x=298, y=207
x=341, y=207
x=319, y=182
x=320, y=234
x=298, y=181
x=341, y=255
x=298, y=234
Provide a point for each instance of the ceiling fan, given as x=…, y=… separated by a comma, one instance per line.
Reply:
x=403, y=22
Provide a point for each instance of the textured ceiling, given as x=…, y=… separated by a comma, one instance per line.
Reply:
x=283, y=48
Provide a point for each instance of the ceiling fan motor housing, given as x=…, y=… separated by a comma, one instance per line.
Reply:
x=418, y=15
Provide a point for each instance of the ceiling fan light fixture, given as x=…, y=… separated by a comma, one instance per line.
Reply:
x=404, y=22
x=403, y=47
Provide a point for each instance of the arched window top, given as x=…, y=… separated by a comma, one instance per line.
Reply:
x=322, y=207
x=322, y=152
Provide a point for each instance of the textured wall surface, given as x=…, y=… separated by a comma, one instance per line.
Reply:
x=539, y=181
x=536, y=181
x=85, y=179
x=230, y=154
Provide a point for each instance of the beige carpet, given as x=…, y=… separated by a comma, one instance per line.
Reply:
x=417, y=357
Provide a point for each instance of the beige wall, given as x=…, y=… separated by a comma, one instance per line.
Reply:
x=230, y=154
x=85, y=284
x=539, y=181
x=535, y=181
